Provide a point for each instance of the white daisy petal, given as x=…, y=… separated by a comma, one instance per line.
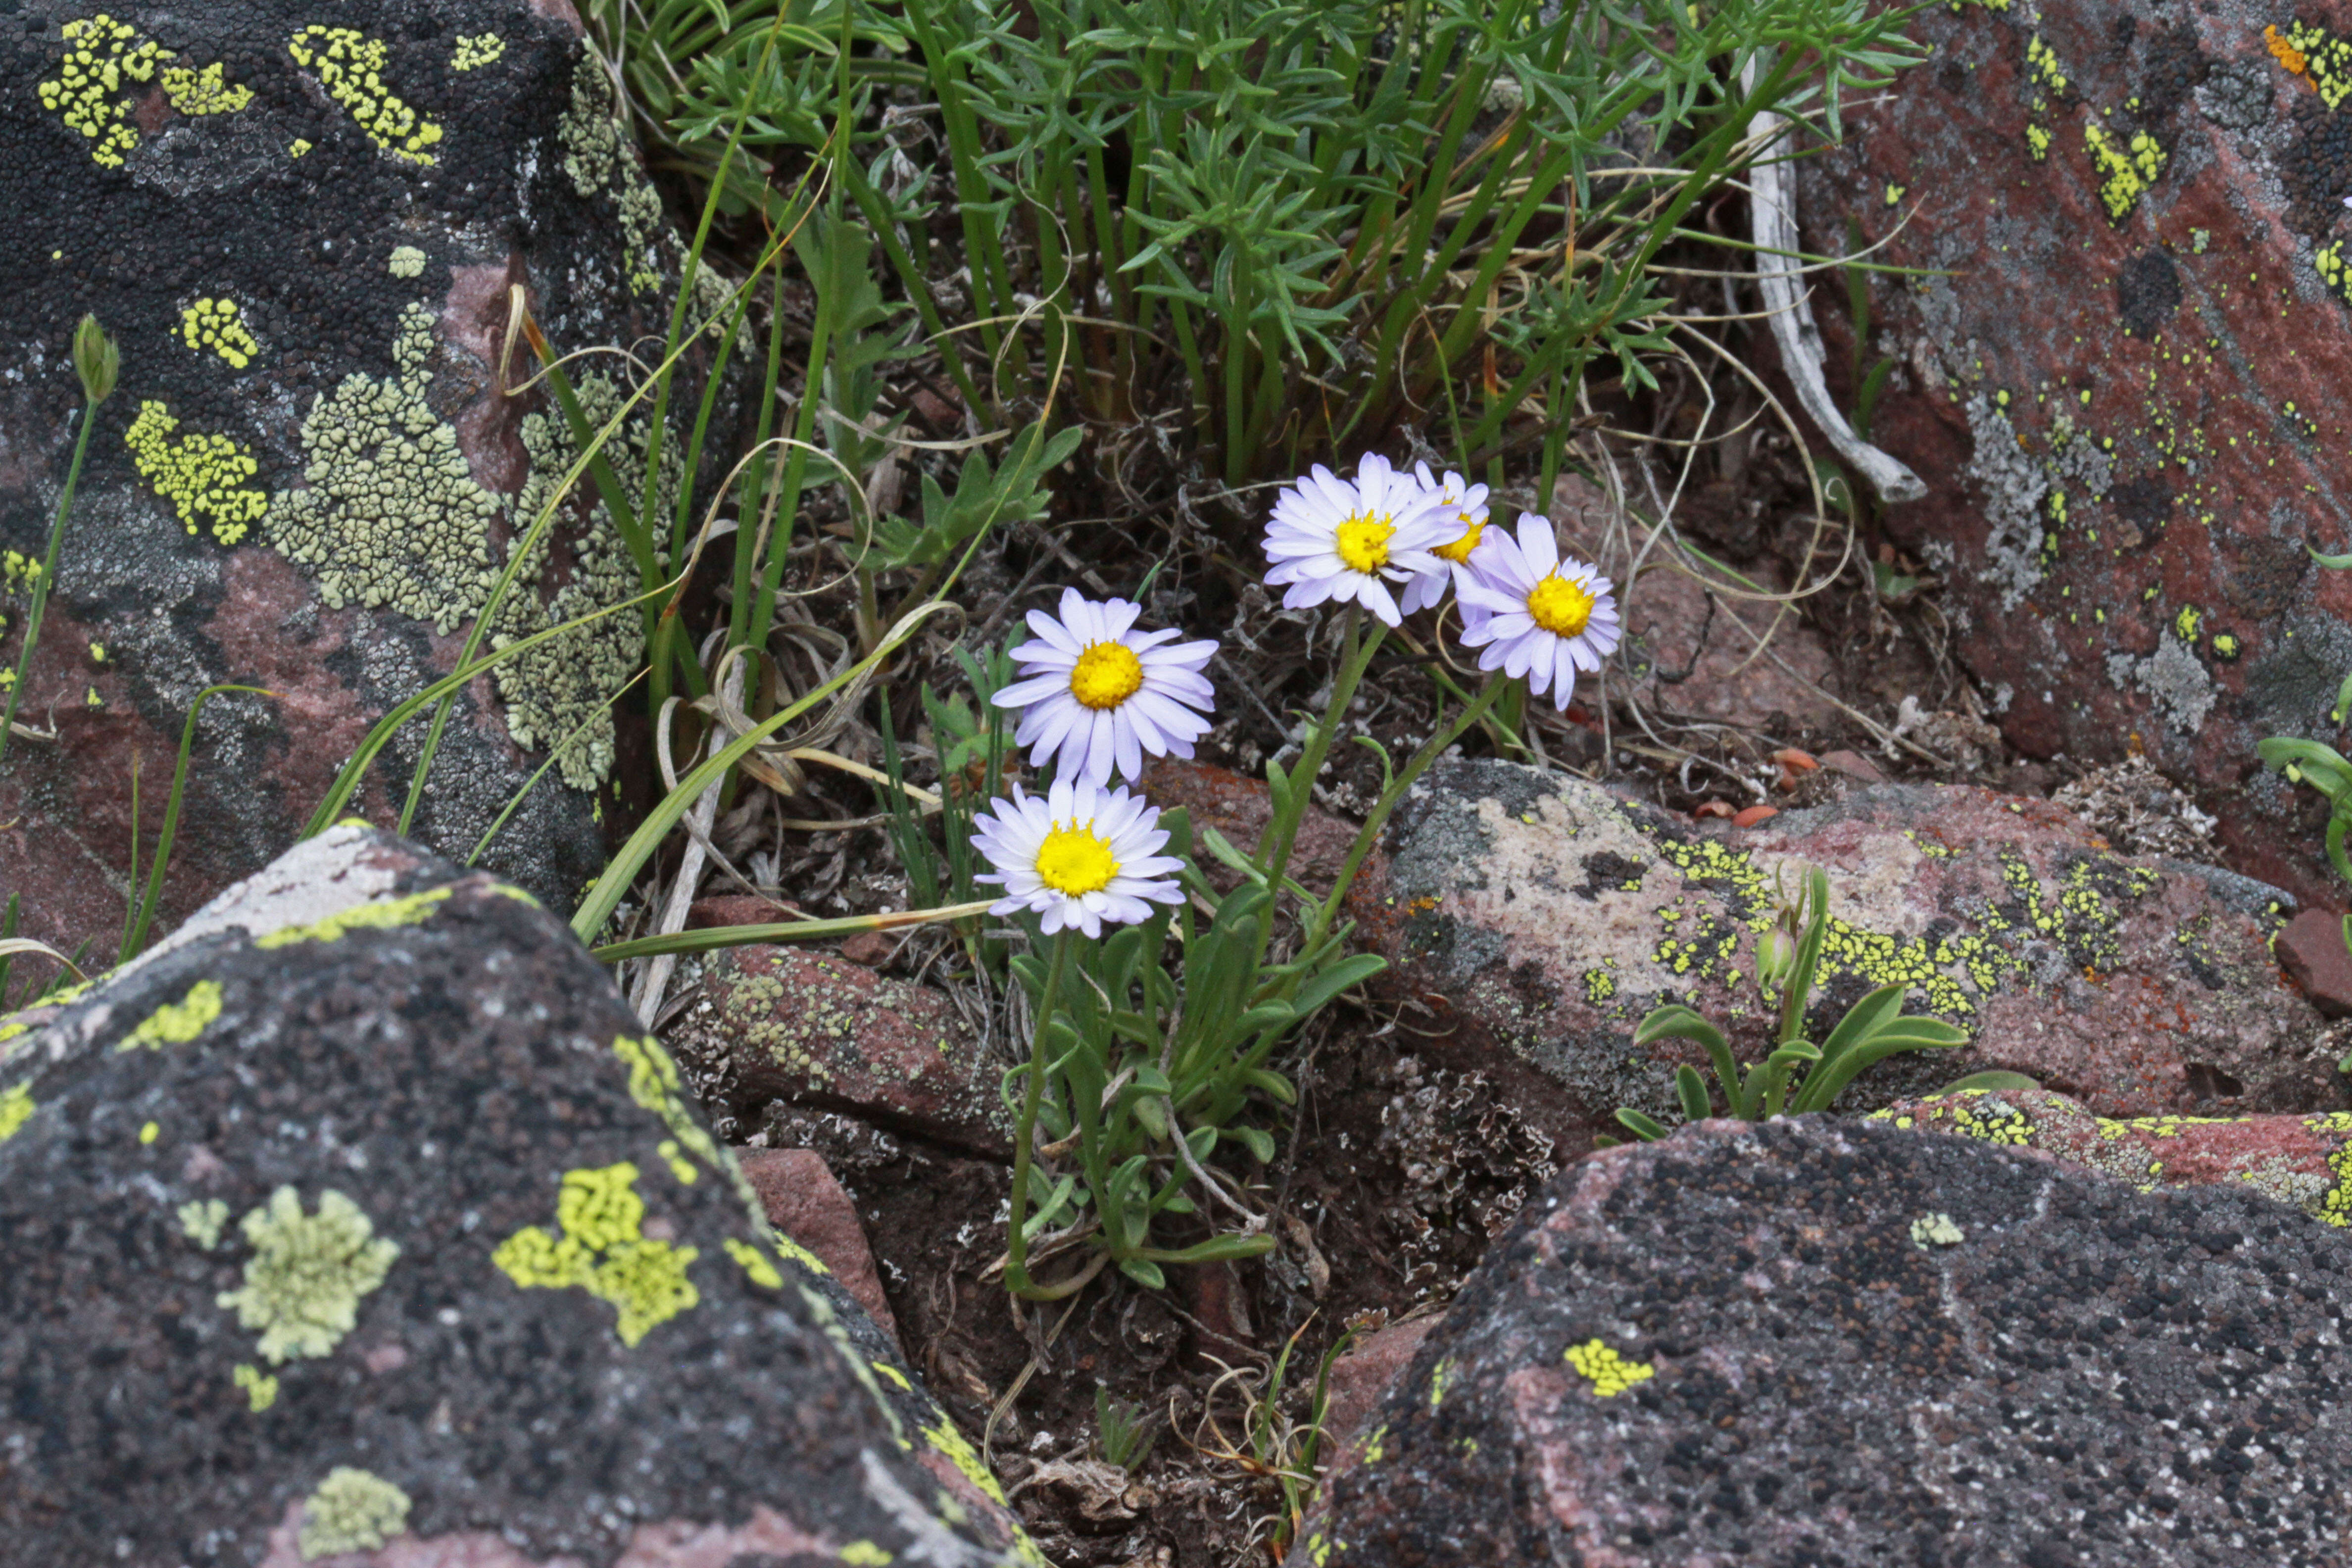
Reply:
x=1092, y=857
x=1534, y=612
x=1083, y=671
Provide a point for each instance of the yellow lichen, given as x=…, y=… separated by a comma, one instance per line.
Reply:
x=2319, y=57
x=351, y=1512
x=1609, y=1373
x=755, y=1262
x=214, y=324
x=477, y=50
x=350, y=66
x=99, y=58
x=16, y=1109
x=960, y=1453
x=603, y=1250
x=2042, y=65
x=2126, y=168
x=204, y=91
x=295, y=148
x=260, y=1388
x=177, y=1023
x=303, y=1284
x=149, y=1132
x=385, y=915
x=202, y=476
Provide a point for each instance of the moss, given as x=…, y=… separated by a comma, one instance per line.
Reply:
x=603, y=1250
x=405, y=261
x=390, y=514
x=350, y=66
x=201, y=1222
x=560, y=693
x=352, y=1510
x=383, y=915
x=204, y=91
x=597, y=156
x=303, y=1284
x=218, y=325
x=203, y=477
x=1609, y=1373
x=15, y=1109
x=87, y=92
x=260, y=1388
x=177, y=1023
x=477, y=50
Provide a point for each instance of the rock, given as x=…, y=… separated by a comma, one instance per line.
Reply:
x=1540, y=919
x=813, y=1028
x=2311, y=949
x=1361, y=1377
x=302, y=237
x=2303, y=1161
x=1237, y=806
x=1854, y=765
x=1821, y=1342
x=406, y=1246
x=1688, y=650
x=801, y=1200
x=2119, y=375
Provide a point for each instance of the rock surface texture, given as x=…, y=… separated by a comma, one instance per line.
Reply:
x=302, y=235
x=1538, y=918
x=361, y=1222
x=1818, y=1342
x=2122, y=382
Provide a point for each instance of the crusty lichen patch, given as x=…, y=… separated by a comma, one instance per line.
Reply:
x=384, y=914
x=177, y=1023
x=596, y=156
x=350, y=66
x=604, y=1251
x=204, y=91
x=352, y=1510
x=476, y=50
x=203, y=477
x=86, y=94
x=219, y=325
x=16, y=1109
x=1610, y=1373
x=308, y=1273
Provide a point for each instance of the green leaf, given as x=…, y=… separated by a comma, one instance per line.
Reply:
x=1274, y=1085
x=1144, y=1272
x=1259, y=1142
x=1989, y=1080
x=1642, y=1127
x=1862, y=1019
x=1344, y=975
x=1216, y=1250
x=1693, y=1090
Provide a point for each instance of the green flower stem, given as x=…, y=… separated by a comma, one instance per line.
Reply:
x=1282, y=834
x=49, y=574
x=1024, y=1134
x=1378, y=817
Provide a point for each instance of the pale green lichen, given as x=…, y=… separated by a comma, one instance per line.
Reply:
x=201, y=1221
x=260, y=1388
x=407, y=261
x=603, y=1250
x=352, y=1510
x=476, y=50
x=386, y=914
x=15, y=1109
x=350, y=66
x=390, y=514
x=308, y=1273
x=87, y=92
x=204, y=91
x=203, y=477
x=1935, y=1230
x=177, y=1023
x=1610, y=1373
x=597, y=156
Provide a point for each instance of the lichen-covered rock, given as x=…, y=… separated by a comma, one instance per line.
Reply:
x=303, y=235
x=2120, y=372
x=363, y=1221
x=1541, y=918
x=810, y=1027
x=1821, y=1342
x=2306, y=1161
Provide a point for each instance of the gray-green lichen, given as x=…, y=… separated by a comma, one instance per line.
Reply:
x=2173, y=677
x=352, y=1510
x=2014, y=486
x=560, y=693
x=303, y=1284
x=201, y=1222
x=391, y=514
x=596, y=156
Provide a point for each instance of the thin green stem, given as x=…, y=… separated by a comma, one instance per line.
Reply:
x=1024, y=1133
x=48, y=575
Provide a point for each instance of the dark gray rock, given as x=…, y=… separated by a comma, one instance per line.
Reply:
x=1826, y=1342
x=302, y=234
x=362, y=1219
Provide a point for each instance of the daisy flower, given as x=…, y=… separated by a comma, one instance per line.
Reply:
x=1102, y=694
x=1464, y=506
x=1331, y=539
x=1536, y=615
x=1079, y=854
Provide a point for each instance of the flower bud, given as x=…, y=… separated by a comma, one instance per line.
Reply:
x=1776, y=955
x=95, y=360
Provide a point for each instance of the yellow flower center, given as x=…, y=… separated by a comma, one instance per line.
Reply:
x=1076, y=860
x=1560, y=606
x=1363, y=542
x=1107, y=675
x=1459, y=551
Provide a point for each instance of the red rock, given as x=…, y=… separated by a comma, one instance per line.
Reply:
x=2303, y=1161
x=737, y=909
x=1854, y=765
x=813, y=1028
x=805, y=1203
x=1236, y=806
x=871, y=948
x=1361, y=1377
x=1539, y=919
x=2311, y=950
x=2123, y=382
